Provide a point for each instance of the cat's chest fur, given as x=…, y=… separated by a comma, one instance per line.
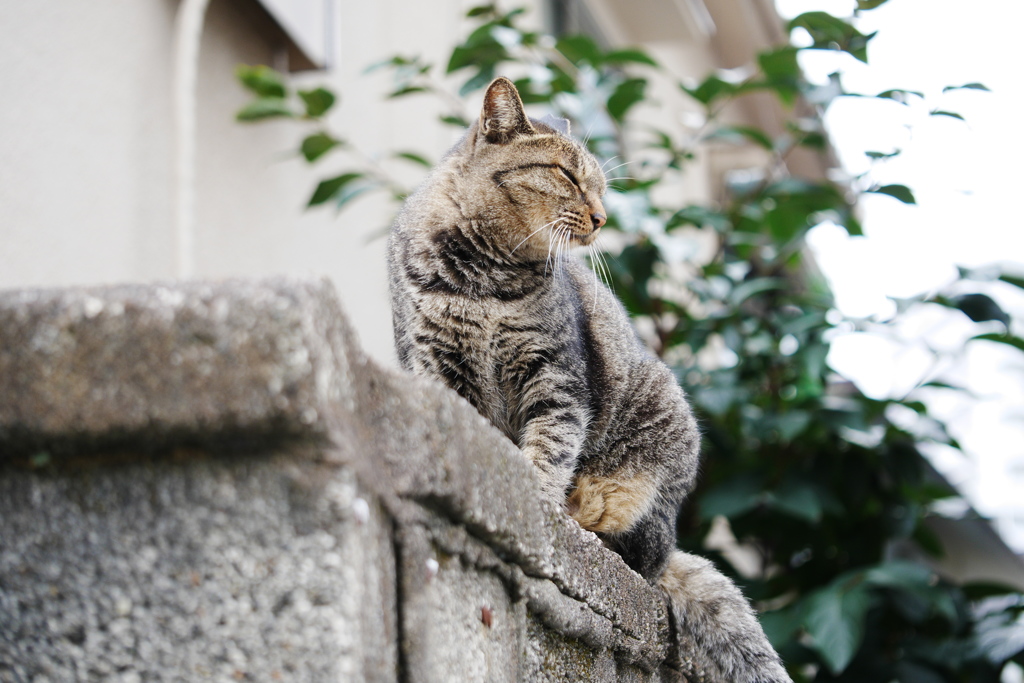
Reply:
x=488, y=347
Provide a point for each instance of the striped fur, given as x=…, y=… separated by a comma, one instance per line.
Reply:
x=486, y=299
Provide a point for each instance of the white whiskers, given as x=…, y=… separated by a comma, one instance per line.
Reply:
x=600, y=264
x=532, y=234
x=625, y=163
x=608, y=161
x=586, y=138
x=555, y=241
x=564, y=245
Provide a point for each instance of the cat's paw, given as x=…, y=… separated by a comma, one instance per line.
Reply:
x=553, y=480
x=611, y=506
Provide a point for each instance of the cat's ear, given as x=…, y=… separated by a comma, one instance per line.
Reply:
x=503, y=117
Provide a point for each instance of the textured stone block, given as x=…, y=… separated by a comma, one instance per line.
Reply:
x=211, y=481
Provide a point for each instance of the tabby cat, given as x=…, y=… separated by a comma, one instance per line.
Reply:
x=486, y=300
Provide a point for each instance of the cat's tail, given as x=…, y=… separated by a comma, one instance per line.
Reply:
x=719, y=636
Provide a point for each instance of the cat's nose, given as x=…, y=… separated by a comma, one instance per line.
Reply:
x=599, y=219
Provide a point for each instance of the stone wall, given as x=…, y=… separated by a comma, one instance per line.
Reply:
x=212, y=482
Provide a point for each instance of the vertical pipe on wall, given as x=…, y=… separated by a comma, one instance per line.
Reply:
x=188, y=30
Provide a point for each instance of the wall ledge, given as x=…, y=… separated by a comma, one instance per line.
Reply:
x=133, y=418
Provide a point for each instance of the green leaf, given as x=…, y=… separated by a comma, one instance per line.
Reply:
x=483, y=36
x=561, y=81
x=664, y=140
x=407, y=90
x=780, y=626
x=922, y=594
x=978, y=590
x=731, y=498
x=414, y=158
x=481, y=10
x=1013, y=280
x=831, y=33
x=852, y=225
x=780, y=64
x=699, y=216
x=813, y=140
x=353, y=190
x=883, y=155
x=1008, y=339
x=718, y=400
x=799, y=499
x=863, y=5
x=900, y=192
x=461, y=57
x=486, y=53
x=580, y=49
x=453, y=120
x=318, y=101
x=262, y=80
x=899, y=95
x=528, y=94
x=265, y=108
x=318, y=144
x=795, y=205
x=834, y=619
x=966, y=86
x=629, y=55
x=740, y=134
x=782, y=71
x=792, y=424
x=980, y=308
x=711, y=89
x=942, y=385
x=899, y=574
x=929, y=541
x=749, y=288
x=484, y=76
x=396, y=61
x=330, y=188
x=950, y=114
x=625, y=96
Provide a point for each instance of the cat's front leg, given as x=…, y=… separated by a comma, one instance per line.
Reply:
x=553, y=434
x=554, y=479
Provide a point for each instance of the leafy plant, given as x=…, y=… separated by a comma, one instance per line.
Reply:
x=825, y=489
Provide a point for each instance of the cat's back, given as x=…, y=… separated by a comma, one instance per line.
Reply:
x=629, y=383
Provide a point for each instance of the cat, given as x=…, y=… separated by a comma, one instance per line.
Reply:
x=486, y=299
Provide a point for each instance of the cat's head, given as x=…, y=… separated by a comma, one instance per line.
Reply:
x=541, y=185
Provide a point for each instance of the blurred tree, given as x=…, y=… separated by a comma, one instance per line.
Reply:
x=822, y=487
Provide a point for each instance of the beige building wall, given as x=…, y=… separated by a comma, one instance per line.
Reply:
x=85, y=141
x=88, y=144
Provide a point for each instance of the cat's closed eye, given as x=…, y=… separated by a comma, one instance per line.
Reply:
x=572, y=178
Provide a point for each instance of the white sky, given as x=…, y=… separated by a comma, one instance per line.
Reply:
x=967, y=181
